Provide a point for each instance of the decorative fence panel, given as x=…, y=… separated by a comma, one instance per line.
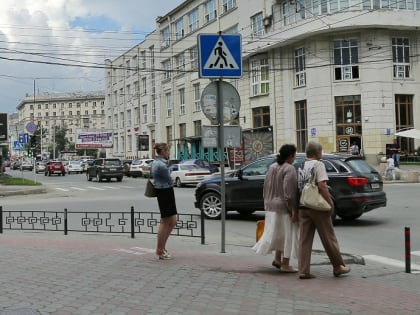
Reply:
x=190, y=225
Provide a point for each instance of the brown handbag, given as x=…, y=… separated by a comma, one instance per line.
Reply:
x=150, y=189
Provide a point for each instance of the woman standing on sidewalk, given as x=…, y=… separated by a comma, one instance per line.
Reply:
x=163, y=184
x=280, y=227
x=311, y=220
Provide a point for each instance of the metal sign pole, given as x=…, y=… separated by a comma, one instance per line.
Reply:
x=221, y=149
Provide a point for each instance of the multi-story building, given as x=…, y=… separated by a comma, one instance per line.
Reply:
x=81, y=110
x=337, y=72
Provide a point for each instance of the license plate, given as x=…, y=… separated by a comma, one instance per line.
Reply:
x=375, y=186
x=112, y=169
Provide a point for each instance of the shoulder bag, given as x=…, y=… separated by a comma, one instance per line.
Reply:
x=310, y=196
x=150, y=190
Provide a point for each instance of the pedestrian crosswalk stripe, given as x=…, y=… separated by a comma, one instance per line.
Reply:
x=62, y=189
x=221, y=58
x=109, y=187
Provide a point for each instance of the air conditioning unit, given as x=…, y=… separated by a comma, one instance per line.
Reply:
x=267, y=20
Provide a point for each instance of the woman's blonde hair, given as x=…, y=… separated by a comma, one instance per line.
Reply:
x=160, y=147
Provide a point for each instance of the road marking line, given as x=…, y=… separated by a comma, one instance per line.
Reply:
x=390, y=261
x=128, y=187
x=92, y=187
x=110, y=187
x=77, y=188
x=135, y=250
x=62, y=189
x=416, y=253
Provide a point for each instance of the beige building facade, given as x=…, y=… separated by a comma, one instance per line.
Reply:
x=336, y=72
x=81, y=110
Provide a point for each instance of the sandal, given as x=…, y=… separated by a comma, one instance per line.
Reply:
x=288, y=269
x=276, y=264
x=306, y=276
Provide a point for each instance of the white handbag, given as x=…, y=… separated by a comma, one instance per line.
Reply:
x=310, y=196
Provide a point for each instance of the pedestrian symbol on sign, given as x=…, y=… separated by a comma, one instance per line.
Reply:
x=221, y=57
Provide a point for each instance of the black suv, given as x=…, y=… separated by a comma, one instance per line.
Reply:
x=105, y=169
x=355, y=187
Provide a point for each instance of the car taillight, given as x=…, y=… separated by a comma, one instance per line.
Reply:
x=357, y=181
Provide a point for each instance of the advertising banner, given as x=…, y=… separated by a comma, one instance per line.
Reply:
x=93, y=139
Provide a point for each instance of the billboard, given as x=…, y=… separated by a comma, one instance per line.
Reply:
x=93, y=139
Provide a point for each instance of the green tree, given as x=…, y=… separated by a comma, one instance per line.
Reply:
x=60, y=141
x=36, y=139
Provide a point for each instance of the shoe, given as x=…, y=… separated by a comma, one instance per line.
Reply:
x=306, y=276
x=341, y=271
x=276, y=264
x=163, y=254
x=287, y=269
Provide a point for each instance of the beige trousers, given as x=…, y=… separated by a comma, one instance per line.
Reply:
x=311, y=220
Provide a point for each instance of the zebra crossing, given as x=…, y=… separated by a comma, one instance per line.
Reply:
x=92, y=188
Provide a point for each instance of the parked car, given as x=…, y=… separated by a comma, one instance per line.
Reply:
x=147, y=170
x=74, y=167
x=355, y=187
x=136, y=167
x=105, y=168
x=202, y=163
x=15, y=165
x=40, y=167
x=85, y=163
x=55, y=167
x=26, y=166
x=187, y=174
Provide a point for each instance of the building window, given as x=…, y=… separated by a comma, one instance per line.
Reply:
x=348, y=115
x=181, y=101
x=78, y=113
x=86, y=112
x=152, y=56
x=136, y=116
x=144, y=113
x=300, y=67
x=127, y=92
x=197, y=128
x=179, y=29
x=401, y=57
x=128, y=68
x=301, y=126
x=143, y=86
x=136, y=89
x=228, y=5
x=180, y=63
x=260, y=76
x=346, y=59
x=168, y=105
x=169, y=135
x=257, y=25
x=194, y=58
x=70, y=113
x=135, y=64
x=129, y=143
x=197, y=97
x=166, y=69
x=405, y=120
x=39, y=106
x=129, y=118
x=261, y=117
x=210, y=12
x=166, y=37
x=193, y=20
x=143, y=59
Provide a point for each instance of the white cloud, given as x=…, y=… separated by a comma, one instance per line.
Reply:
x=66, y=32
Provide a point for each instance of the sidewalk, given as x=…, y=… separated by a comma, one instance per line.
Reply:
x=49, y=273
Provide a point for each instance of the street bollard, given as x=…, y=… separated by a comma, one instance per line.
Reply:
x=407, y=250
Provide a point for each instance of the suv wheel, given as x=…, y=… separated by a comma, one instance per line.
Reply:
x=98, y=177
x=119, y=179
x=178, y=182
x=211, y=205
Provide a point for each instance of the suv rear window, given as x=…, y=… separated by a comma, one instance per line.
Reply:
x=112, y=162
x=361, y=166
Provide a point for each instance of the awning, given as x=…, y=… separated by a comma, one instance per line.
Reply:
x=411, y=133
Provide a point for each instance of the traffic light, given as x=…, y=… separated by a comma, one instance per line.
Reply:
x=30, y=153
x=32, y=142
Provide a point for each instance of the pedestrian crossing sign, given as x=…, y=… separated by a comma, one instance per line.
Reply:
x=220, y=55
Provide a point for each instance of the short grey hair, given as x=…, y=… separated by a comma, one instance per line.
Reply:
x=312, y=149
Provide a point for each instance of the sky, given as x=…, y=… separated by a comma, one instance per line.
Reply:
x=43, y=43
